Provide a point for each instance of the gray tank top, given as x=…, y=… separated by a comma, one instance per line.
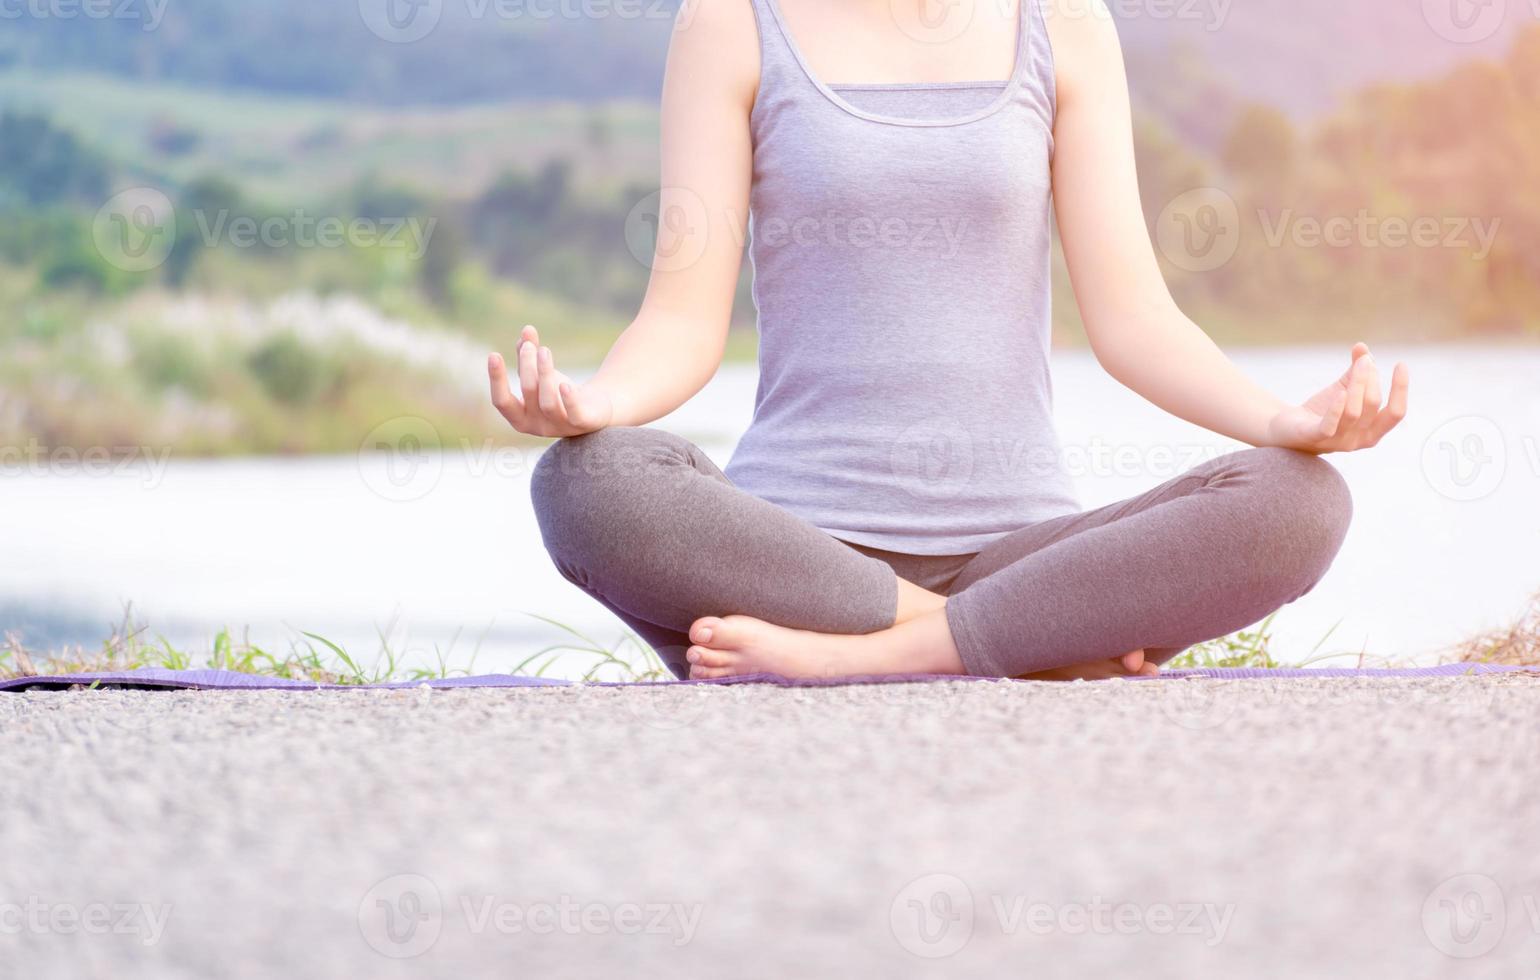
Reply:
x=901, y=250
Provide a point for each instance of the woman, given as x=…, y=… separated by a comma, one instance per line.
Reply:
x=897, y=506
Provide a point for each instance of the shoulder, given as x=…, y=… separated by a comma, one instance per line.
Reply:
x=717, y=41
x=1084, y=38
x=722, y=20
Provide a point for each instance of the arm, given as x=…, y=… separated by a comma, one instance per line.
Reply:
x=1135, y=328
x=675, y=344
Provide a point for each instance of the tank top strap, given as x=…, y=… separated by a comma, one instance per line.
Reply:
x=1037, y=52
x=779, y=65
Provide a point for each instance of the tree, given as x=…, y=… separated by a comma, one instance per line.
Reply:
x=1262, y=146
x=41, y=164
x=204, y=198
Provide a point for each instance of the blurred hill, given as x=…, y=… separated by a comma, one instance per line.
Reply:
x=1358, y=175
x=327, y=49
x=1297, y=55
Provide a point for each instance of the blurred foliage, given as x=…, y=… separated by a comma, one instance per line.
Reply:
x=206, y=352
x=289, y=371
x=165, y=362
x=41, y=164
x=1457, y=154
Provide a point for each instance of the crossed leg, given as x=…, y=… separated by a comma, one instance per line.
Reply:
x=645, y=523
x=1202, y=555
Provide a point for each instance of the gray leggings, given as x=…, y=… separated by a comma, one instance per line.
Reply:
x=645, y=523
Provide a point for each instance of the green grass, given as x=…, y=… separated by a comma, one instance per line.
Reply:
x=1247, y=648
x=628, y=659
x=313, y=657
x=579, y=656
x=1253, y=647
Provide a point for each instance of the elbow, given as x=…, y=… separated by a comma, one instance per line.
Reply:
x=1126, y=340
x=1112, y=351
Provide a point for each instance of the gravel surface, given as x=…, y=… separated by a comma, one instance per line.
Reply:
x=1257, y=828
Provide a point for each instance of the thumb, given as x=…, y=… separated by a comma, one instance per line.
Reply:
x=581, y=411
x=1298, y=426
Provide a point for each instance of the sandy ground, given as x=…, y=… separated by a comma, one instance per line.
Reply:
x=1252, y=828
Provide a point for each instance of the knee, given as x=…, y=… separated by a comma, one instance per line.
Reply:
x=584, y=487
x=1305, y=508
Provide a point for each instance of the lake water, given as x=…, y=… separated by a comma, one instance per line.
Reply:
x=441, y=551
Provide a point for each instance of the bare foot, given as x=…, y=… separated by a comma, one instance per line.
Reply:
x=732, y=645
x=1129, y=665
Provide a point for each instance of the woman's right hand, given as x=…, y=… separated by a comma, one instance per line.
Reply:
x=547, y=403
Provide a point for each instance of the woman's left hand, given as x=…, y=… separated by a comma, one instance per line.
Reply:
x=1346, y=414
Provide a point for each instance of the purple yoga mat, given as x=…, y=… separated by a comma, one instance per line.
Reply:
x=225, y=680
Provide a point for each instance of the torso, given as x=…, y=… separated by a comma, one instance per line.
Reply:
x=901, y=252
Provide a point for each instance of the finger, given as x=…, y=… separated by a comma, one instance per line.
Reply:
x=529, y=376
x=1359, y=350
x=530, y=334
x=1355, y=392
x=1395, y=407
x=1372, y=400
x=1372, y=383
x=1333, y=418
x=502, y=396
x=550, y=398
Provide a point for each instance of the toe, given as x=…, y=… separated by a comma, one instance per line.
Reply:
x=707, y=657
x=1133, y=662
x=706, y=630
x=698, y=673
x=734, y=632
